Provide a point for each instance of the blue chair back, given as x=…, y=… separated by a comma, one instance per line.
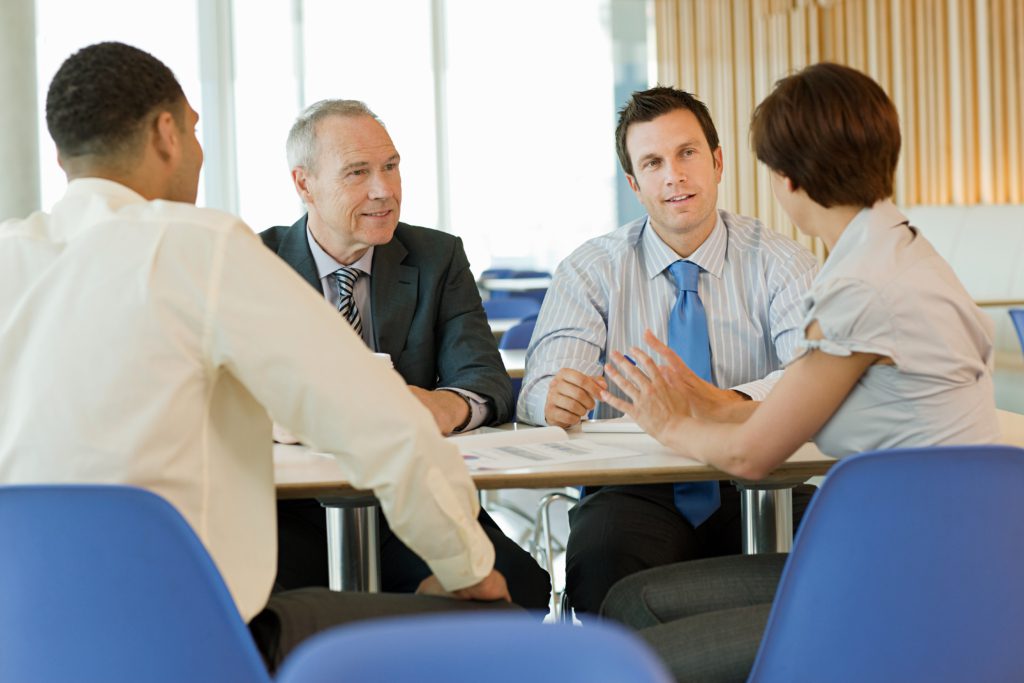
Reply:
x=1017, y=315
x=511, y=307
x=518, y=336
x=464, y=648
x=109, y=583
x=908, y=566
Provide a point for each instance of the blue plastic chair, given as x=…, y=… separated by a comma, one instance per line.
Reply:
x=908, y=566
x=464, y=648
x=109, y=583
x=511, y=307
x=518, y=336
x=1017, y=315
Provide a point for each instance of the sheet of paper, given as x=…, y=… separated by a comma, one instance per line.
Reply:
x=617, y=425
x=563, y=452
x=508, y=437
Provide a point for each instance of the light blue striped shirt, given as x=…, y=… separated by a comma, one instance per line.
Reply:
x=604, y=295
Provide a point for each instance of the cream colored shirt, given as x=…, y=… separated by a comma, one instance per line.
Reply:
x=144, y=343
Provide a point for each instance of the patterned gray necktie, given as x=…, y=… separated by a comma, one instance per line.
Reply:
x=346, y=278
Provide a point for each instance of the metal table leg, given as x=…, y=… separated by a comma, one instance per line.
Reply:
x=767, y=512
x=353, y=544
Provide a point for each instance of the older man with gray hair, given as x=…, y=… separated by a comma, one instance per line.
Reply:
x=409, y=293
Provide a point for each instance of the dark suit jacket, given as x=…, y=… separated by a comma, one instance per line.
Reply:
x=426, y=310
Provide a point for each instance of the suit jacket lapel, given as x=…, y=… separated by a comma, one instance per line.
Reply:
x=295, y=250
x=393, y=292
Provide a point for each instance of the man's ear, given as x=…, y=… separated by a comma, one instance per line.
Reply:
x=719, y=164
x=633, y=185
x=166, y=137
x=301, y=178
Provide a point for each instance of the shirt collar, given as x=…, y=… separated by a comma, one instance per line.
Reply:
x=884, y=214
x=710, y=255
x=116, y=194
x=325, y=263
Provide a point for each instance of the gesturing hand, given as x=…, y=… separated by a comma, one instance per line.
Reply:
x=656, y=404
x=705, y=399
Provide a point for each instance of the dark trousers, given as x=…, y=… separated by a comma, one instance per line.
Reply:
x=620, y=530
x=292, y=616
x=704, y=618
x=302, y=556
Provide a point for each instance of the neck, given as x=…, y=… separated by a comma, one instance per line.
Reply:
x=144, y=183
x=340, y=249
x=829, y=224
x=685, y=243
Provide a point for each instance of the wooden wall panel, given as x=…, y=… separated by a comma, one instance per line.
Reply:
x=954, y=68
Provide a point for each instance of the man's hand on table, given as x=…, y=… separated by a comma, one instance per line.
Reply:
x=571, y=396
x=491, y=588
x=450, y=410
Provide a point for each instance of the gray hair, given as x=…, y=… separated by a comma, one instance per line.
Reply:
x=301, y=146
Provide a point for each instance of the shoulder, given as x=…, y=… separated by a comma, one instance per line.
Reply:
x=608, y=251
x=416, y=238
x=751, y=238
x=213, y=221
x=274, y=236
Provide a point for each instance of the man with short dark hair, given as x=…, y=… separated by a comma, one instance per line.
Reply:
x=685, y=265
x=143, y=341
x=409, y=293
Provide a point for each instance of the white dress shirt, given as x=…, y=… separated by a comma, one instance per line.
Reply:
x=607, y=292
x=326, y=265
x=145, y=342
x=885, y=290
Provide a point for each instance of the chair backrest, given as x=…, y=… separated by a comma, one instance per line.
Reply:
x=109, y=583
x=518, y=336
x=511, y=307
x=909, y=566
x=463, y=648
x=1017, y=315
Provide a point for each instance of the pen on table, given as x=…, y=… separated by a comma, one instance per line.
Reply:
x=629, y=359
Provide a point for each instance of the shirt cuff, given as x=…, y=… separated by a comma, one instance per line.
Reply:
x=479, y=411
x=758, y=390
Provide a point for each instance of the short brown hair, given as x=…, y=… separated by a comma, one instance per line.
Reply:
x=647, y=105
x=833, y=132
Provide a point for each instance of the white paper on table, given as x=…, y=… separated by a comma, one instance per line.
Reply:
x=561, y=452
x=507, y=437
x=612, y=425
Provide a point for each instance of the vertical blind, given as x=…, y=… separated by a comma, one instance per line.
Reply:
x=954, y=68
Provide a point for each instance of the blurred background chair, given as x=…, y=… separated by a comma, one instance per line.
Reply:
x=907, y=567
x=511, y=307
x=464, y=648
x=109, y=583
x=1017, y=315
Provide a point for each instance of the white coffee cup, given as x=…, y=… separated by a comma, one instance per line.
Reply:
x=386, y=358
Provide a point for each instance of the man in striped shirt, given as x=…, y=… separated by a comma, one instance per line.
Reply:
x=614, y=287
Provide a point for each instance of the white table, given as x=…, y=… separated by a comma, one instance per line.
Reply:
x=515, y=284
x=353, y=539
x=515, y=362
x=766, y=505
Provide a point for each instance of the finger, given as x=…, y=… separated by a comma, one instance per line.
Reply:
x=631, y=371
x=671, y=357
x=624, y=385
x=577, y=379
x=619, y=404
x=565, y=395
x=647, y=364
x=559, y=417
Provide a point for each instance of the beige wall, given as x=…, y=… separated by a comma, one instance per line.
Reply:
x=954, y=68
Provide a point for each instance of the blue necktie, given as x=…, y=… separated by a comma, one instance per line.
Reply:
x=688, y=336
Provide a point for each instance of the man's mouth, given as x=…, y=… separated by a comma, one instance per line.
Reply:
x=378, y=214
x=678, y=198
